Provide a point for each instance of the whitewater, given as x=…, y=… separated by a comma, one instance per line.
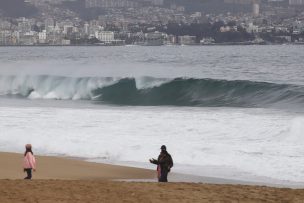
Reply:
x=228, y=112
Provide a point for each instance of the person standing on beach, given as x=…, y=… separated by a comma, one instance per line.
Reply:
x=164, y=164
x=29, y=161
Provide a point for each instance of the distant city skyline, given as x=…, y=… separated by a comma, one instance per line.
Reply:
x=152, y=22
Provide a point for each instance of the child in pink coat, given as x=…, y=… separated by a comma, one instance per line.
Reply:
x=29, y=161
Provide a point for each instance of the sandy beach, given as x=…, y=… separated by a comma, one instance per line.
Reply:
x=68, y=169
x=70, y=180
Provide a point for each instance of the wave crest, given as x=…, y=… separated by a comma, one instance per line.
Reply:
x=155, y=91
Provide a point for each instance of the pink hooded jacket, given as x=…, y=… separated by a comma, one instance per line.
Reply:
x=29, y=161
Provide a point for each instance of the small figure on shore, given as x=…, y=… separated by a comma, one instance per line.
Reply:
x=164, y=164
x=29, y=161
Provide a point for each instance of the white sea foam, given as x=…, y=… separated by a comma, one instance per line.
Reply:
x=274, y=149
x=149, y=82
x=64, y=88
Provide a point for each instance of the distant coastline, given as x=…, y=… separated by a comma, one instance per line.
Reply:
x=194, y=45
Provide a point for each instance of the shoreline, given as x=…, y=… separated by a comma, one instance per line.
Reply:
x=178, y=45
x=77, y=168
x=73, y=180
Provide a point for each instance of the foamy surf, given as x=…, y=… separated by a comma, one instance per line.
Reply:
x=118, y=134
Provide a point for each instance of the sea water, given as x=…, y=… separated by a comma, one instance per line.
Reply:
x=233, y=112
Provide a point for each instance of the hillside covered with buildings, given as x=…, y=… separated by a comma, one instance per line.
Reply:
x=151, y=22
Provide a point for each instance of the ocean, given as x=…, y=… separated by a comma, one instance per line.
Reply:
x=234, y=112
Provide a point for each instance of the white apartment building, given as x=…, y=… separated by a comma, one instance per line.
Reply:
x=42, y=37
x=256, y=9
x=105, y=36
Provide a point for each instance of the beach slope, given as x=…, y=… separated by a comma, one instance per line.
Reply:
x=70, y=180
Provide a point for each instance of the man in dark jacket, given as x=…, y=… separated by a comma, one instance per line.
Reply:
x=164, y=164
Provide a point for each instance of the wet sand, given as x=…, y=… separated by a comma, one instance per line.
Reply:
x=69, y=180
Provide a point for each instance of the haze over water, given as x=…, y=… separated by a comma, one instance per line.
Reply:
x=223, y=111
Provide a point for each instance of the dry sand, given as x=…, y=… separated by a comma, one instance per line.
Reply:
x=107, y=191
x=68, y=169
x=66, y=180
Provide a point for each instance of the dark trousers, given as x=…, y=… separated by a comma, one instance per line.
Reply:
x=163, y=176
x=28, y=172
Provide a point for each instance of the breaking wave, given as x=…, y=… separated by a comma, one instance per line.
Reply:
x=148, y=91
